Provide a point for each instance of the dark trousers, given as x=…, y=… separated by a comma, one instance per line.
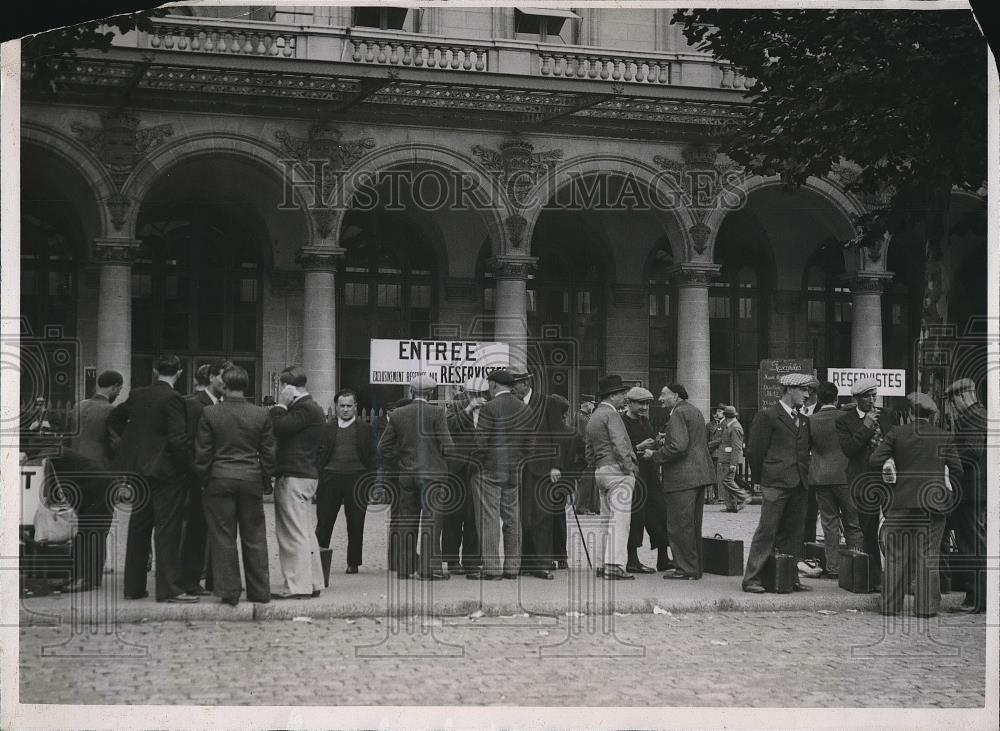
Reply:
x=869, y=530
x=685, y=509
x=559, y=536
x=231, y=506
x=649, y=514
x=157, y=510
x=194, y=540
x=459, y=537
x=94, y=517
x=586, y=491
x=335, y=490
x=912, y=543
x=537, y=501
x=968, y=520
x=812, y=512
x=415, y=525
x=782, y=513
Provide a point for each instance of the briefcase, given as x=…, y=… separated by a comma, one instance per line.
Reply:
x=816, y=552
x=721, y=556
x=45, y=559
x=855, y=571
x=780, y=573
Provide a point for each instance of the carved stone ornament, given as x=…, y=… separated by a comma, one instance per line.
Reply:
x=285, y=282
x=517, y=167
x=516, y=225
x=116, y=251
x=118, y=206
x=700, y=175
x=870, y=282
x=504, y=268
x=687, y=275
x=318, y=258
x=700, y=233
x=847, y=175
x=324, y=219
x=119, y=143
x=323, y=143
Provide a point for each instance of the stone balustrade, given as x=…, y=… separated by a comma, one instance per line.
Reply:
x=418, y=52
x=562, y=64
x=244, y=39
x=733, y=79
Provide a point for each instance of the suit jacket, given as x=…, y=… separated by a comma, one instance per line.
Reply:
x=731, y=444
x=91, y=440
x=416, y=439
x=778, y=451
x=828, y=465
x=541, y=454
x=921, y=451
x=970, y=437
x=639, y=430
x=235, y=442
x=855, y=441
x=685, y=458
x=607, y=441
x=360, y=432
x=502, y=434
x=463, y=435
x=153, y=428
x=298, y=430
x=714, y=436
x=195, y=403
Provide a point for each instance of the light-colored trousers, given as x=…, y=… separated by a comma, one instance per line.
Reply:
x=497, y=510
x=615, y=488
x=295, y=525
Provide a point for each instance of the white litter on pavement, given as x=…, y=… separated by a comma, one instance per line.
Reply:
x=302, y=619
x=825, y=611
x=659, y=610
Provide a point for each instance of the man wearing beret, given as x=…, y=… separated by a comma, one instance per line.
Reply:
x=648, y=507
x=968, y=520
x=779, y=457
x=500, y=448
x=731, y=443
x=413, y=445
x=859, y=432
x=915, y=519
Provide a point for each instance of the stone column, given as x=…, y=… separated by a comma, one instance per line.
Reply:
x=693, y=345
x=114, y=307
x=319, y=320
x=866, y=318
x=511, y=303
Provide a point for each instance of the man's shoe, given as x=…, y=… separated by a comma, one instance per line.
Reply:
x=561, y=564
x=963, y=609
x=639, y=568
x=144, y=595
x=182, y=599
x=315, y=593
x=617, y=573
x=506, y=575
x=233, y=601
x=287, y=595
x=77, y=585
x=457, y=569
x=433, y=576
x=547, y=575
x=198, y=591
x=681, y=576
x=351, y=570
x=800, y=587
x=925, y=615
x=754, y=588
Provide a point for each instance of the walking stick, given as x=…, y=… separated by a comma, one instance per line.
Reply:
x=583, y=540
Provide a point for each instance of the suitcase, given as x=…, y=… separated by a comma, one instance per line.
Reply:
x=855, y=572
x=780, y=573
x=816, y=552
x=721, y=556
x=42, y=559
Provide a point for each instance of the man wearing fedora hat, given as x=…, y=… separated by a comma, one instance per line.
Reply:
x=413, y=445
x=731, y=444
x=609, y=452
x=968, y=519
x=714, y=434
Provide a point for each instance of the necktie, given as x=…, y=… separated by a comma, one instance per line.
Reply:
x=877, y=436
x=795, y=417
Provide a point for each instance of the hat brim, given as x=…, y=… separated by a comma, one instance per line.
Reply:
x=623, y=389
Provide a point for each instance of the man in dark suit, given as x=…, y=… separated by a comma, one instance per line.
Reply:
x=194, y=540
x=649, y=512
x=779, y=453
x=459, y=532
x=915, y=514
x=89, y=426
x=500, y=438
x=154, y=445
x=968, y=519
x=345, y=456
x=298, y=427
x=859, y=432
x=687, y=472
x=413, y=446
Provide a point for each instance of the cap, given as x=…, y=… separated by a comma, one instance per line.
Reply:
x=477, y=384
x=962, y=385
x=729, y=411
x=501, y=376
x=423, y=383
x=863, y=386
x=922, y=402
x=797, y=379
x=719, y=407
x=518, y=373
x=638, y=393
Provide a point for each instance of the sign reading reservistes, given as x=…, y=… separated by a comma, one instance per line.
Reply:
x=448, y=362
x=891, y=381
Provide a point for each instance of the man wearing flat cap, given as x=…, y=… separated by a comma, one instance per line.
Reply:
x=731, y=442
x=459, y=541
x=649, y=511
x=413, y=446
x=859, y=432
x=915, y=516
x=968, y=520
x=609, y=452
x=779, y=457
x=500, y=448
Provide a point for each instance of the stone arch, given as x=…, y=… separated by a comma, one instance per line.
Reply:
x=494, y=212
x=91, y=170
x=677, y=223
x=213, y=143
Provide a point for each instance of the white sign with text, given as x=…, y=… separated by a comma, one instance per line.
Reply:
x=891, y=381
x=448, y=362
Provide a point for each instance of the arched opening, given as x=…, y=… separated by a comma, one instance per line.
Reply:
x=829, y=308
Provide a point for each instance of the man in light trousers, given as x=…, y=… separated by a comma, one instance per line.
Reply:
x=609, y=451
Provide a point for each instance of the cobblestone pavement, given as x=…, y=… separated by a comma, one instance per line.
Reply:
x=731, y=659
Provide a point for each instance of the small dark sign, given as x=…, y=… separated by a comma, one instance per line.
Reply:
x=768, y=388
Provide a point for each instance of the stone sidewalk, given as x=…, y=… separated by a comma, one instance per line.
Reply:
x=374, y=592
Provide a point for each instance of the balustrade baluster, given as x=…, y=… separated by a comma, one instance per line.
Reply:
x=155, y=40
x=617, y=75
x=480, y=59
x=466, y=59
x=168, y=41
x=289, y=46
x=407, y=54
x=356, y=53
x=182, y=41
x=455, y=63
x=642, y=70
x=210, y=41
x=382, y=57
x=250, y=44
x=664, y=75
x=605, y=73
x=197, y=40
x=581, y=66
x=369, y=52
x=629, y=74
x=544, y=64
x=592, y=63
x=418, y=59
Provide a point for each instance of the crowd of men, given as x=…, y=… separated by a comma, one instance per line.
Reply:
x=480, y=486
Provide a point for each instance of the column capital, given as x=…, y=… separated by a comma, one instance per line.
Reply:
x=512, y=267
x=869, y=282
x=693, y=274
x=319, y=258
x=116, y=251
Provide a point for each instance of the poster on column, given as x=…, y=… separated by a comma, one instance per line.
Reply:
x=770, y=373
x=448, y=362
x=891, y=381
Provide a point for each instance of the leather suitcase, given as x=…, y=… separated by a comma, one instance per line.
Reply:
x=816, y=552
x=780, y=573
x=855, y=572
x=721, y=556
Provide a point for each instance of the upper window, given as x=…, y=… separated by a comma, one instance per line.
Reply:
x=546, y=25
x=382, y=18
